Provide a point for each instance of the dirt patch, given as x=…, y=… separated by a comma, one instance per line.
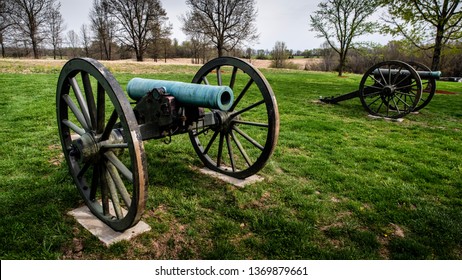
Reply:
x=438, y=91
x=58, y=159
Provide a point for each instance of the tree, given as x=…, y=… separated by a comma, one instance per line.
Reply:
x=424, y=21
x=136, y=19
x=103, y=27
x=73, y=42
x=86, y=39
x=226, y=23
x=55, y=27
x=160, y=35
x=30, y=18
x=5, y=22
x=341, y=21
x=279, y=55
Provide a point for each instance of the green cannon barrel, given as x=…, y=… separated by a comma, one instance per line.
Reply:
x=213, y=97
x=423, y=74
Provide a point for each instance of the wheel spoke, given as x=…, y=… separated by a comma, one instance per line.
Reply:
x=83, y=170
x=230, y=152
x=113, y=193
x=109, y=126
x=89, y=97
x=241, y=95
x=76, y=112
x=397, y=75
x=219, y=78
x=252, y=123
x=375, y=80
x=115, y=146
x=100, y=109
x=209, y=145
x=74, y=127
x=81, y=101
x=95, y=181
x=250, y=139
x=233, y=77
x=233, y=115
x=220, y=149
x=205, y=130
x=241, y=149
x=119, y=165
x=119, y=184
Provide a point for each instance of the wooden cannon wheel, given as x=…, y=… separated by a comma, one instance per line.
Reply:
x=245, y=138
x=390, y=89
x=428, y=86
x=101, y=142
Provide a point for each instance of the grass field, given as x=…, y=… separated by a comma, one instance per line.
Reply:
x=339, y=186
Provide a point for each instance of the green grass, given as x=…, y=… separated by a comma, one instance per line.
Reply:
x=339, y=186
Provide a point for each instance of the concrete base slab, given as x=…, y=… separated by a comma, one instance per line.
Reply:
x=236, y=182
x=387, y=119
x=104, y=233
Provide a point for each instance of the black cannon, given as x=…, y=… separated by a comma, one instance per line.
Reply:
x=393, y=89
x=229, y=111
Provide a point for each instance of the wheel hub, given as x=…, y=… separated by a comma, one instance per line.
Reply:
x=85, y=148
x=388, y=90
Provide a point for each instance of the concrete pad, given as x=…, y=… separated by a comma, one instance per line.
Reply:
x=104, y=233
x=387, y=119
x=231, y=180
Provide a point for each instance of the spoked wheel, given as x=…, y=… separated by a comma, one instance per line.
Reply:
x=246, y=135
x=101, y=143
x=428, y=86
x=390, y=89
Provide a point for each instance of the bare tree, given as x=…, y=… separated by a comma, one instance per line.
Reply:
x=136, y=19
x=73, y=42
x=427, y=24
x=226, y=23
x=103, y=27
x=5, y=22
x=30, y=17
x=86, y=39
x=340, y=21
x=55, y=27
x=279, y=55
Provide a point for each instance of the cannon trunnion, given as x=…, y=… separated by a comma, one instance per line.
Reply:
x=229, y=111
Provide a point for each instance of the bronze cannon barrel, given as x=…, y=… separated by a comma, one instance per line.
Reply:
x=213, y=97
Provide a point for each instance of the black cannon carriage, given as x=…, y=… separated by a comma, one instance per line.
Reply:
x=228, y=110
x=393, y=89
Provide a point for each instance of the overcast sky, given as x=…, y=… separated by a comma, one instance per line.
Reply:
x=277, y=20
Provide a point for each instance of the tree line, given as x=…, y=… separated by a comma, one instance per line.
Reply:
x=121, y=29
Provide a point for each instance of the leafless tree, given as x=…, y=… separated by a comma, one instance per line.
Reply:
x=340, y=21
x=86, y=39
x=55, y=28
x=279, y=55
x=136, y=19
x=226, y=23
x=5, y=22
x=30, y=18
x=103, y=27
x=427, y=24
x=73, y=43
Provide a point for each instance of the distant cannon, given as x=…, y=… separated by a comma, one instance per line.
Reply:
x=229, y=111
x=393, y=89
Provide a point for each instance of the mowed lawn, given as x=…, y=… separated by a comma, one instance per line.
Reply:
x=339, y=186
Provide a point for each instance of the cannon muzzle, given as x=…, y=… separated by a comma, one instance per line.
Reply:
x=213, y=97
